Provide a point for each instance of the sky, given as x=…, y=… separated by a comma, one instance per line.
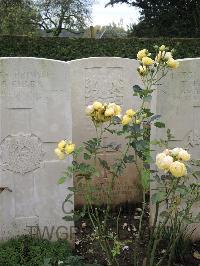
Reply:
x=105, y=16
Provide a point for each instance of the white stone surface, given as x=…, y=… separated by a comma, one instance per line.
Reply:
x=35, y=112
x=104, y=79
x=39, y=99
x=177, y=100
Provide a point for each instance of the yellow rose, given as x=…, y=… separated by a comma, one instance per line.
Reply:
x=159, y=157
x=97, y=105
x=172, y=63
x=178, y=169
x=142, y=53
x=183, y=155
x=69, y=148
x=163, y=56
x=115, y=107
x=159, y=56
x=126, y=120
x=167, y=152
x=109, y=112
x=162, y=48
x=165, y=163
x=175, y=152
x=89, y=109
x=147, y=61
x=100, y=117
x=118, y=110
x=142, y=70
x=130, y=112
x=168, y=55
x=61, y=144
x=59, y=153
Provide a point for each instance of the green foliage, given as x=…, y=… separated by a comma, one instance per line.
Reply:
x=145, y=180
x=28, y=16
x=66, y=49
x=18, y=17
x=29, y=251
x=166, y=18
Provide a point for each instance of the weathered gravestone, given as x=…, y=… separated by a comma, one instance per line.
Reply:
x=38, y=100
x=177, y=100
x=35, y=112
x=106, y=80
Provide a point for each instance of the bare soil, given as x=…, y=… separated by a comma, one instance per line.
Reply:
x=88, y=247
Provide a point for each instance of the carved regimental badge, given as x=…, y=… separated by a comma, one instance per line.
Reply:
x=21, y=153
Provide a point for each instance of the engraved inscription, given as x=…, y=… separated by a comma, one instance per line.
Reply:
x=104, y=84
x=25, y=84
x=17, y=84
x=21, y=153
x=196, y=95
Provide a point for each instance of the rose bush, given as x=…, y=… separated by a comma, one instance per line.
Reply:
x=134, y=126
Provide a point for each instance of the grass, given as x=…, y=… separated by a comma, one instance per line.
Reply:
x=29, y=251
x=32, y=251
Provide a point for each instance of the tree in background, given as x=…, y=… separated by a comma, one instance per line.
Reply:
x=18, y=17
x=173, y=18
x=71, y=15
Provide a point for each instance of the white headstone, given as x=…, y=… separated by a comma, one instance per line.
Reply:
x=35, y=113
x=177, y=100
x=104, y=79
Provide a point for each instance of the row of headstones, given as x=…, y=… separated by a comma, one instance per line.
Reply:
x=43, y=101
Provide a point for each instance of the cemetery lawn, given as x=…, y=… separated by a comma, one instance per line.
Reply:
x=87, y=247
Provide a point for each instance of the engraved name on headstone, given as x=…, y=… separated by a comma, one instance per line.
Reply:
x=35, y=112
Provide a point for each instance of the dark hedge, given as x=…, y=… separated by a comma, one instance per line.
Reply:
x=67, y=49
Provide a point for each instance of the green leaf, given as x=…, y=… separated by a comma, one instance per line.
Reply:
x=141, y=145
x=62, y=180
x=154, y=117
x=129, y=159
x=159, y=124
x=116, y=120
x=137, y=89
x=68, y=218
x=104, y=164
x=87, y=156
x=196, y=174
x=71, y=189
x=145, y=179
x=181, y=189
x=148, y=98
x=73, y=217
x=158, y=197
